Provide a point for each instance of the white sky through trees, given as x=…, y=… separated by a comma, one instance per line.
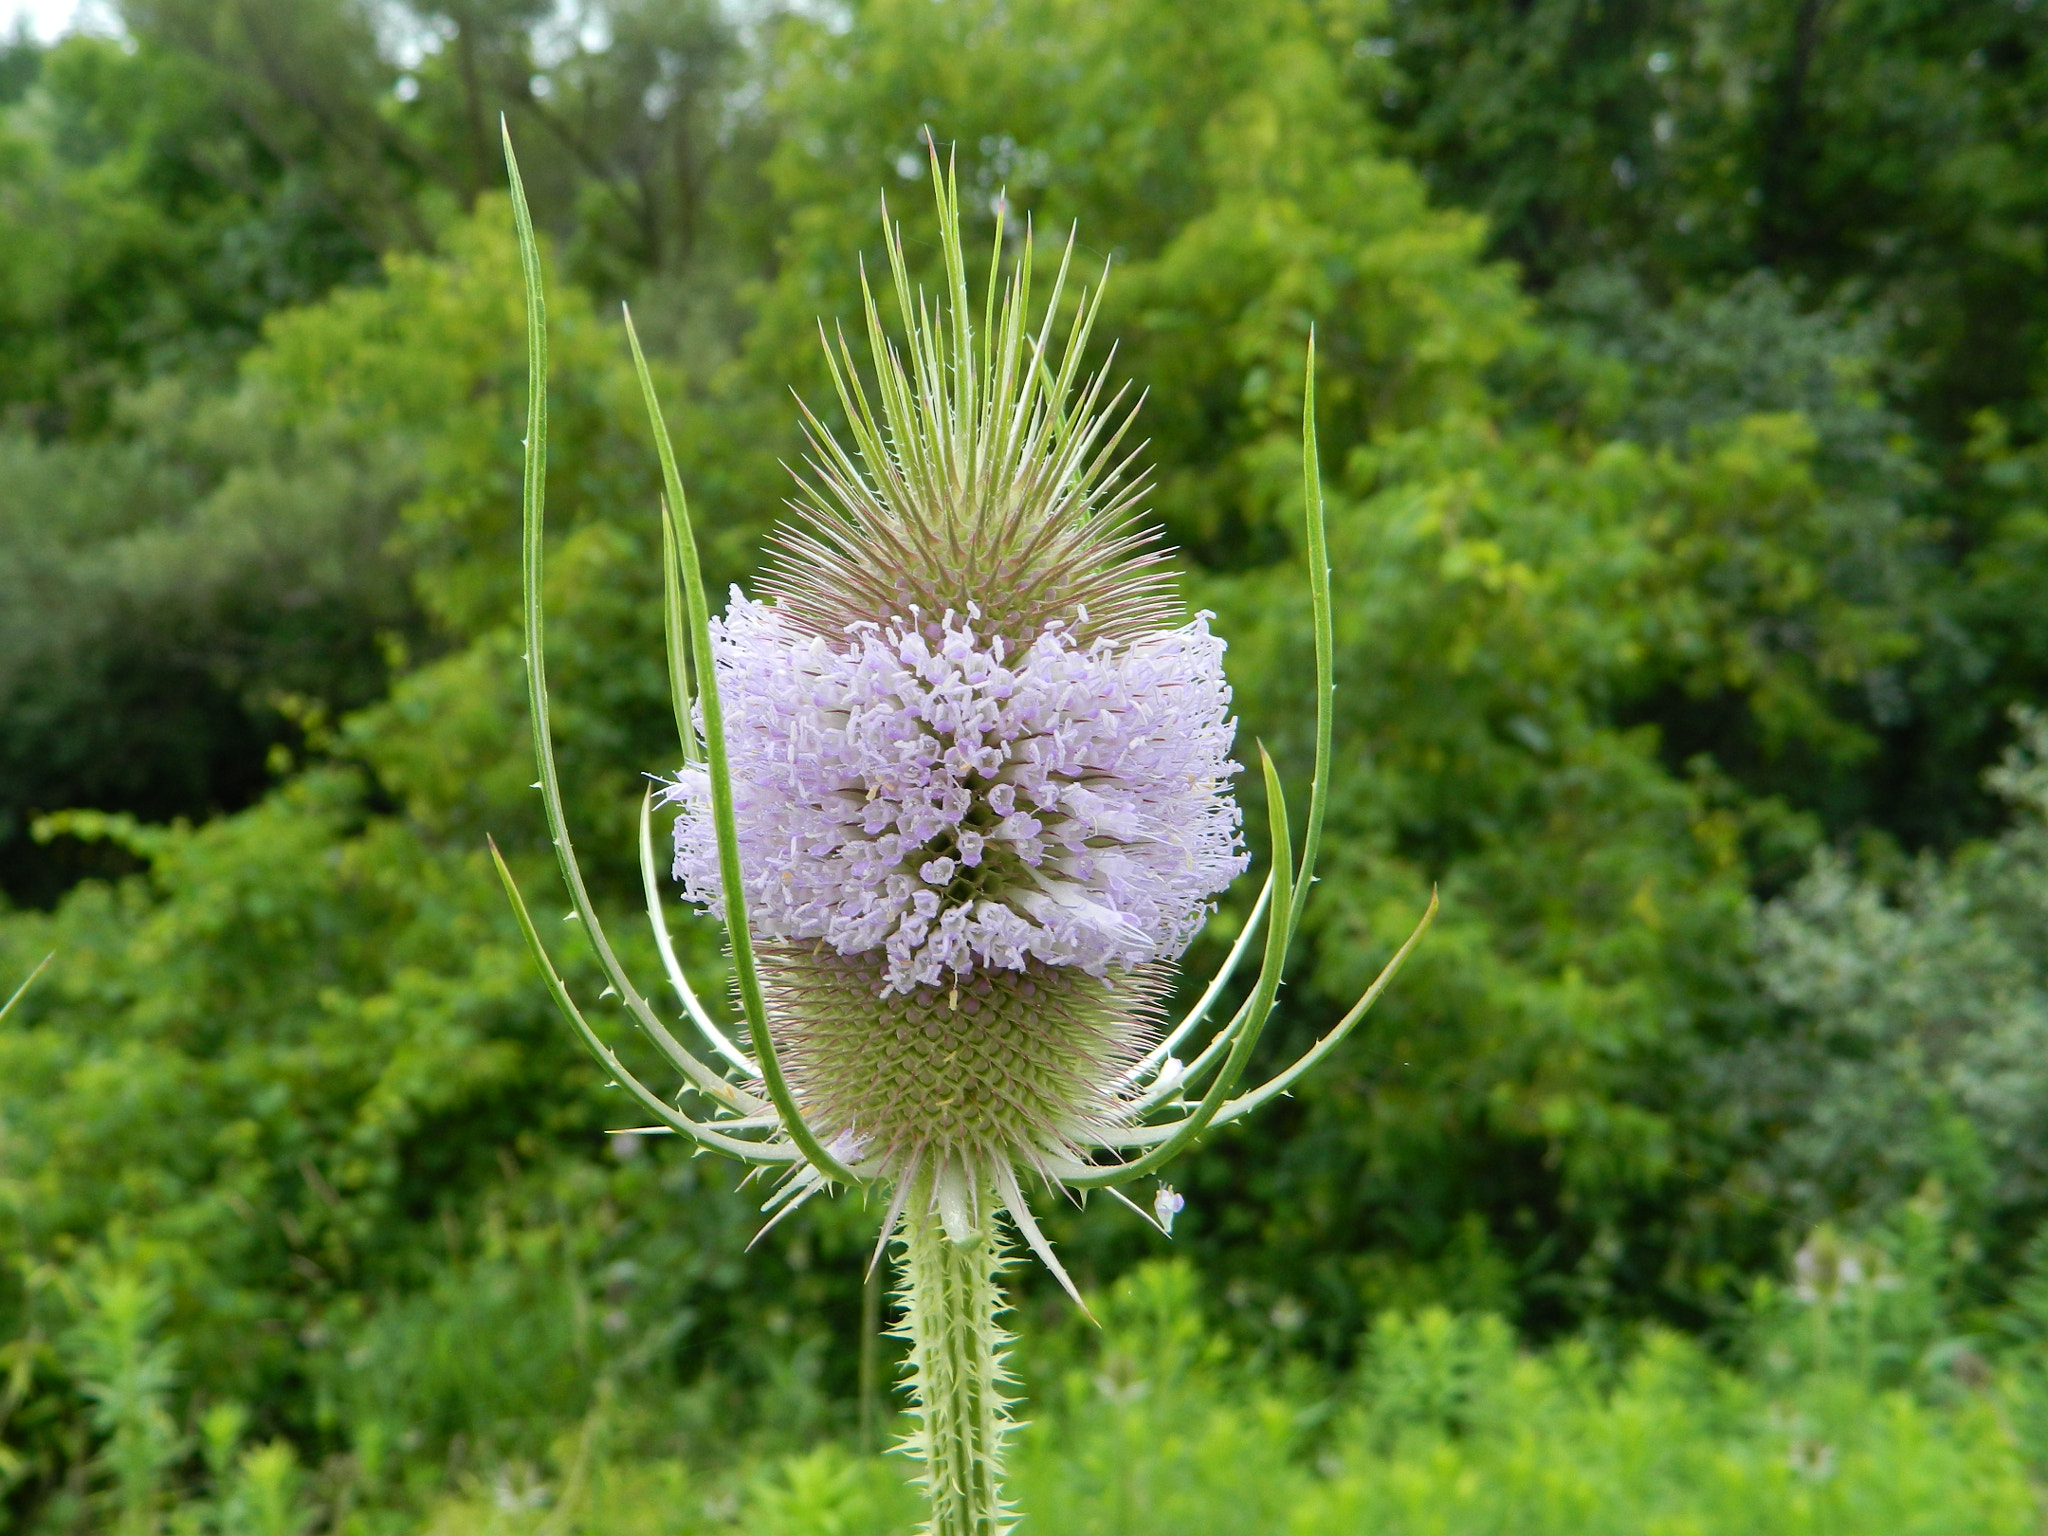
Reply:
x=47, y=18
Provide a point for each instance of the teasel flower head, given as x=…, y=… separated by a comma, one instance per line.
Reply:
x=980, y=757
x=971, y=863
x=957, y=782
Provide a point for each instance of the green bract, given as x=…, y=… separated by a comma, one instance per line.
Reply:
x=26, y=982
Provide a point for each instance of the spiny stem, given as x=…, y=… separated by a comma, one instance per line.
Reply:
x=957, y=1372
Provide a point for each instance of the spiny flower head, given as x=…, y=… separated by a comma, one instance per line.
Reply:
x=980, y=756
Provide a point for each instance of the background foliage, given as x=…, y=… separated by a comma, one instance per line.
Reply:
x=1681, y=405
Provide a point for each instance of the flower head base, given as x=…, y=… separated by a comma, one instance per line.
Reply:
x=1005, y=1067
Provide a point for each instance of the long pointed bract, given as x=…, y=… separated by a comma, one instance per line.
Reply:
x=1151, y=1060
x=1256, y=1012
x=603, y=1054
x=534, y=506
x=27, y=982
x=1280, y=1082
x=665, y=945
x=746, y=972
x=1326, y=639
x=675, y=632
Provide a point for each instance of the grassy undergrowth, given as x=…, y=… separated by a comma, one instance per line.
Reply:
x=1446, y=1428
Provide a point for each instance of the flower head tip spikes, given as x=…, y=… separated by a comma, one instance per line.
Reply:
x=957, y=784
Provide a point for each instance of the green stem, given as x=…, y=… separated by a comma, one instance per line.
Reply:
x=958, y=1374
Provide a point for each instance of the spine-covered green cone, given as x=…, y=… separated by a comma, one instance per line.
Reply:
x=957, y=783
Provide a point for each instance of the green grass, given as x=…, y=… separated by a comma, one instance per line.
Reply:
x=1447, y=1429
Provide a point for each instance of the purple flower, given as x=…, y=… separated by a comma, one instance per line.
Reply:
x=929, y=794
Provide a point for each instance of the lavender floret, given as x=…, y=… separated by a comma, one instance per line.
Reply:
x=958, y=804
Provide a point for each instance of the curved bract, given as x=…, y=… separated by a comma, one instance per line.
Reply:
x=27, y=982
x=979, y=526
